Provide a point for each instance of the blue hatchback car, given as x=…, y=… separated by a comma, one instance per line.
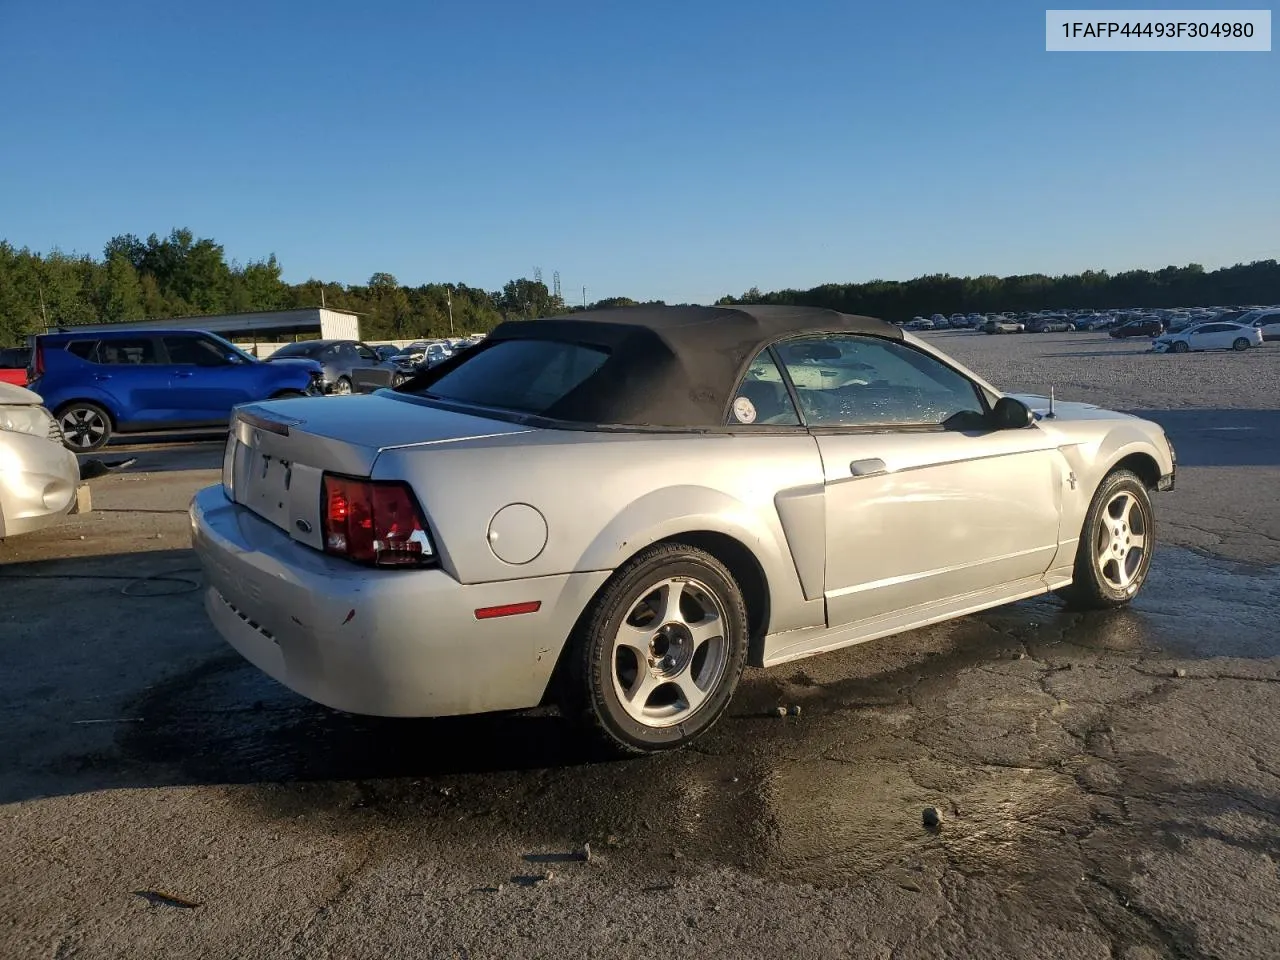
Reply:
x=102, y=383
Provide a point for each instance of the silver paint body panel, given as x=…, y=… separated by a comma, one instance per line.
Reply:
x=858, y=534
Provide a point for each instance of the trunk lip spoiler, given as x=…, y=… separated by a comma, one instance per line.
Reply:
x=271, y=425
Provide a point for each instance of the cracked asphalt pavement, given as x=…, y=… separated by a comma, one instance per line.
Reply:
x=1108, y=785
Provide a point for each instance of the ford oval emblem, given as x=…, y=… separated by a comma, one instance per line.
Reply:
x=302, y=525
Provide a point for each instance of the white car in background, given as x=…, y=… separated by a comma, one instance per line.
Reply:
x=1209, y=336
x=38, y=475
x=1268, y=321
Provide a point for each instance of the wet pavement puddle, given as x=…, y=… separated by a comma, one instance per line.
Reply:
x=1003, y=721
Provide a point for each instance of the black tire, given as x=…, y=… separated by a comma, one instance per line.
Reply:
x=1240, y=345
x=342, y=386
x=287, y=394
x=588, y=693
x=1180, y=346
x=1090, y=588
x=85, y=426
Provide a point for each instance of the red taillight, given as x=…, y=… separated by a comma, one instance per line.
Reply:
x=374, y=521
x=37, y=360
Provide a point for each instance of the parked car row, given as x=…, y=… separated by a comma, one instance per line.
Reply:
x=1118, y=323
x=99, y=384
x=346, y=366
x=102, y=383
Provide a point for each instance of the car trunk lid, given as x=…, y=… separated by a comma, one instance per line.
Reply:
x=278, y=452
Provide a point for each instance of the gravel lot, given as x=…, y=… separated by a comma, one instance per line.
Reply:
x=1108, y=785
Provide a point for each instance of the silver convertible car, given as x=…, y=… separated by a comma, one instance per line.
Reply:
x=616, y=510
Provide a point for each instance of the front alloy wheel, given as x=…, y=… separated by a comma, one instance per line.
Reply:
x=85, y=426
x=1114, y=555
x=658, y=654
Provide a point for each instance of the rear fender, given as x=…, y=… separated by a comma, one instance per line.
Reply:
x=667, y=513
x=91, y=395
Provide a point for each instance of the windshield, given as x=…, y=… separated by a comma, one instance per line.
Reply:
x=525, y=376
x=232, y=348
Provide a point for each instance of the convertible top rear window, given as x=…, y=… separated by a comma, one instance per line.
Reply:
x=651, y=367
x=525, y=376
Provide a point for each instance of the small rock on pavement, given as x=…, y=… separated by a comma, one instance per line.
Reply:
x=586, y=853
x=781, y=711
x=795, y=710
x=1179, y=672
x=931, y=817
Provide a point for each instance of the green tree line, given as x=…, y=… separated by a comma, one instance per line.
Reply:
x=180, y=275
x=1189, y=286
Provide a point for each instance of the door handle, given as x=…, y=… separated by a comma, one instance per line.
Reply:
x=868, y=468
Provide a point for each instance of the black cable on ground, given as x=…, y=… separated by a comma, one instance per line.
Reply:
x=189, y=585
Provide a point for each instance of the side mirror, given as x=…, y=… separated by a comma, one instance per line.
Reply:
x=1011, y=414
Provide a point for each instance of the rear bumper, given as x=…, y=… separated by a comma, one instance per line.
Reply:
x=38, y=484
x=382, y=642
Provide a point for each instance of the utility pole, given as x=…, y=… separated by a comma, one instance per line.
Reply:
x=584, y=298
x=44, y=314
x=448, y=296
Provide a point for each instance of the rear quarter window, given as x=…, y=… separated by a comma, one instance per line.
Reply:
x=84, y=349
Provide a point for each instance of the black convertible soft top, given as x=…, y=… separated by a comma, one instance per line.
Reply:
x=669, y=366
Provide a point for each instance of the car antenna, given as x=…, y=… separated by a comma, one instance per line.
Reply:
x=1050, y=413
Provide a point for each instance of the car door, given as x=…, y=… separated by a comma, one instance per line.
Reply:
x=367, y=373
x=1211, y=336
x=925, y=500
x=205, y=381
x=131, y=371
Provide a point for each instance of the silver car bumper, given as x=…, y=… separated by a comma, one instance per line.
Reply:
x=400, y=643
x=38, y=480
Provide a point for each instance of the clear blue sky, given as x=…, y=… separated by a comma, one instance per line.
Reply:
x=678, y=150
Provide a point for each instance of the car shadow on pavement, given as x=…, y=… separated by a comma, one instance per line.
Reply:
x=115, y=678
x=1221, y=438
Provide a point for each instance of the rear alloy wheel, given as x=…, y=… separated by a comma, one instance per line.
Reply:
x=1240, y=344
x=658, y=655
x=1116, y=543
x=342, y=386
x=1180, y=346
x=85, y=426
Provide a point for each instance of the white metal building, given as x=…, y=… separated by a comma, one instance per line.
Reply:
x=272, y=325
